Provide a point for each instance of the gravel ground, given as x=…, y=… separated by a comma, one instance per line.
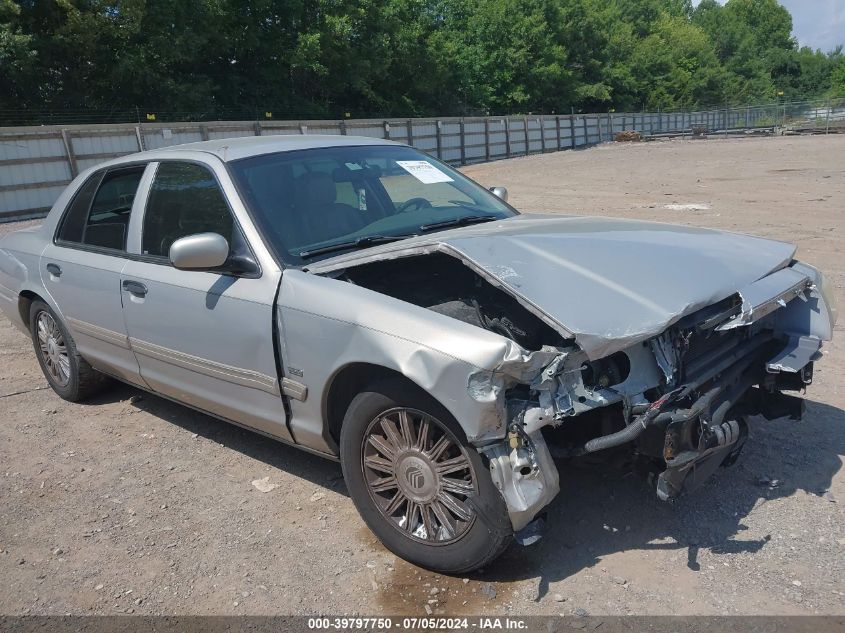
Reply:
x=132, y=504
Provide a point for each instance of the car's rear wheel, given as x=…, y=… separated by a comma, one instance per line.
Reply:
x=68, y=374
x=419, y=486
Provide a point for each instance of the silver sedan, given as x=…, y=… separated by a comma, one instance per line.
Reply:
x=365, y=302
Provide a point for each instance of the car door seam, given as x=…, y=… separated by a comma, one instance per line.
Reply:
x=97, y=332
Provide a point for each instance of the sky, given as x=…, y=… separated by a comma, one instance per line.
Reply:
x=817, y=23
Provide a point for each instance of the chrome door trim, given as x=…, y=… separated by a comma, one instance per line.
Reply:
x=295, y=390
x=97, y=332
x=234, y=375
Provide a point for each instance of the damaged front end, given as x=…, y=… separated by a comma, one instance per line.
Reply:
x=670, y=373
x=681, y=400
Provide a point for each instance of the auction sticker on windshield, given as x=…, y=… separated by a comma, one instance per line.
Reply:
x=423, y=171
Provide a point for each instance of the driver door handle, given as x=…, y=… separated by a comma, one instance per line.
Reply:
x=54, y=269
x=134, y=287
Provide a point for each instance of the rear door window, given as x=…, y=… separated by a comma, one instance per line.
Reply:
x=98, y=216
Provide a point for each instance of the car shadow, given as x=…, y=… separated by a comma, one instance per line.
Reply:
x=602, y=508
x=313, y=468
x=601, y=511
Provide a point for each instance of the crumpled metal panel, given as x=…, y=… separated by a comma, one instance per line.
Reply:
x=524, y=494
x=795, y=356
x=766, y=295
x=815, y=316
x=609, y=283
x=328, y=324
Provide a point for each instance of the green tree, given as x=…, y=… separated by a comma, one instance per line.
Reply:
x=323, y=58
x=18, y=59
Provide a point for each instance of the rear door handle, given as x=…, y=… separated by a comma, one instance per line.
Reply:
x=54, y=269
x=135, y=287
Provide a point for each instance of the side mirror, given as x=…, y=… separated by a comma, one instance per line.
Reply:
x=201, y=251
x=500, y=192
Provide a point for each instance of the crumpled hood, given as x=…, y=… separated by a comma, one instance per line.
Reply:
x=608, y=282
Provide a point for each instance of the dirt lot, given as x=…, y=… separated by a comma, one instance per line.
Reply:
x=133, y=504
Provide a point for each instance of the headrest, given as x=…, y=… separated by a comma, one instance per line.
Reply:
x=315, y=189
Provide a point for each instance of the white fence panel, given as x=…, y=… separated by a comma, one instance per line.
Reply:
x=37, y=162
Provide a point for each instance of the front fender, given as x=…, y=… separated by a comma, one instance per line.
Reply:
x=327, y=324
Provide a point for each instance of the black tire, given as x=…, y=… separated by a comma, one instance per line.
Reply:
x=83, y=381
x=484, y=537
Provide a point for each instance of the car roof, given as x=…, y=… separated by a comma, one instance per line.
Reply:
x=229, y=149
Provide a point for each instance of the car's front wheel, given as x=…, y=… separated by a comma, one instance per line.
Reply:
x=69, y=375
x=419, y=486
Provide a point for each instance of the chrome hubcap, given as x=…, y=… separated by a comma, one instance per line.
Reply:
x=53, y=349
x=419, y=476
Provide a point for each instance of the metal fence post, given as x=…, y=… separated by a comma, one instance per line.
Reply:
x=827, y=117
x=140, y=138
x=572, y=129
x=486, y=138
x=507, y=136
x=542, y=121
x=410, y=124
x=438, y=124
x=343, y=127
x=525, y=134
x=586, y=131
x=71, y=159
x=463, y=144
x=557, y=130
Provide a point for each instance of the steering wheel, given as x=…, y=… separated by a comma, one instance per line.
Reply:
x=413, y=203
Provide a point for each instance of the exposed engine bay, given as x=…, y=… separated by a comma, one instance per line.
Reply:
x=443, y=284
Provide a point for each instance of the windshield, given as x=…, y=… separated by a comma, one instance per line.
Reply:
x=315, y=203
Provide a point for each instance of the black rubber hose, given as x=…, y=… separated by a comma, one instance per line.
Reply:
x=640, y=423
x=628, y=434
x=731, y=398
